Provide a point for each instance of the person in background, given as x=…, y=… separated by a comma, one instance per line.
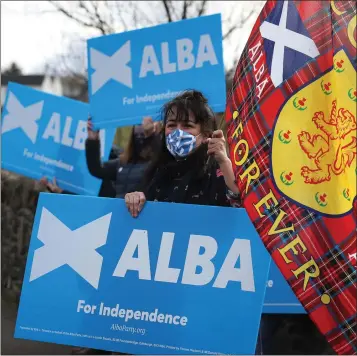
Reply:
x=127, y=170
x=191, y=165
x=106, y=190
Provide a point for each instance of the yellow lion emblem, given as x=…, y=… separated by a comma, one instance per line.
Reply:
x=332, y=153
x=313, y=158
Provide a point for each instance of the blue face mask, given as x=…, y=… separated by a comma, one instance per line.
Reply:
x=180, y=143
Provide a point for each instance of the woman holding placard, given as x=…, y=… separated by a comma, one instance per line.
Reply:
x=128, y=169
x=192, y=165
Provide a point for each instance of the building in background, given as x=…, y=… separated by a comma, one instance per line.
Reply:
x=51, y=85
x=61, y=86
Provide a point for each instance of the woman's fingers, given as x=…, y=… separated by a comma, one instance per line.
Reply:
x=142, y=200
x=148, y=126
x=130, y=203
x=215, y=147
x=147, y=120
x=156, y=127
x=127, y=201
x=90, y=125
x=50, y=186
x=135, y=207
x=135, y=202
x=44, y=181
x=92, y=135
x=216, y=140
x=53, y=187
x=218, y=150
x=218, y=134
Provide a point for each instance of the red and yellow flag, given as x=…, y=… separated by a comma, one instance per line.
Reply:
x=291, y=123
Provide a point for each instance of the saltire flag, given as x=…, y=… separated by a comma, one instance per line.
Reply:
x=291, y=119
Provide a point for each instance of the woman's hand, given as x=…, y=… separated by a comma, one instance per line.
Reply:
x=135, y=202
x=150, y=127
x=217, y=147
x=52, y=187
x=92, y=135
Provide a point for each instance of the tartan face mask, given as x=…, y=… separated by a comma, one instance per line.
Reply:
x=180, y=143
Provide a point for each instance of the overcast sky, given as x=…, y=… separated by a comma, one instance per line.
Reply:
x=32, y=34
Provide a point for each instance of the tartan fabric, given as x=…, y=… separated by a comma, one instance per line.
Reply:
x=250, y=116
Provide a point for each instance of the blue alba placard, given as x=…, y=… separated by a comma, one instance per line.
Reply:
x=179, y=279
x=132, y=74
x=279, y=297
x=44, y=135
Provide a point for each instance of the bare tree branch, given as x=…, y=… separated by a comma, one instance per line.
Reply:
x=184, y=10
x=174, y=11
x=107, y=16
x=83, y=6
x=202, y=8
x=101, y=24
x=247, y=17
x=109, y=10
x=186, y=5
x=229, y=32
x=121, y=17
x=237, y=25
x=166, y=4
x=71, y=15
x=142, y=17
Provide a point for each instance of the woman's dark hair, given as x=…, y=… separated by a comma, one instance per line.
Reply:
x=194, y=101
x=136, y=151
x=189, y=101
x=127, y=155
